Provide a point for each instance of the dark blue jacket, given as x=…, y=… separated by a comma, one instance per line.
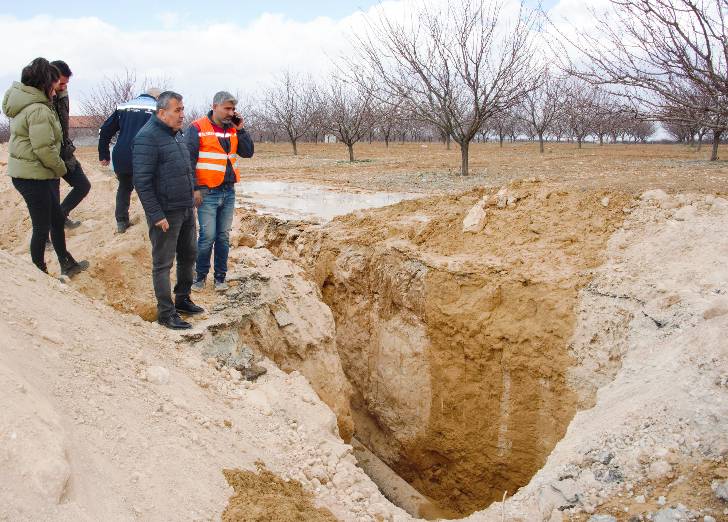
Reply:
x=163, y=175
x=245, y=147
x=127, y=119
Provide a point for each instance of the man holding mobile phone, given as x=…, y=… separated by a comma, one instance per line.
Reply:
x=215, y=142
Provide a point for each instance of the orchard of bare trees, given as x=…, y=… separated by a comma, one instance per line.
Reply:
x=481, y=70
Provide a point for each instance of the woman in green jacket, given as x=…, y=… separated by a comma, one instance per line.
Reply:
x=34, y=159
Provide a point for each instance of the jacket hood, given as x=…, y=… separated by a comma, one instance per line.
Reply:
x=19, y=96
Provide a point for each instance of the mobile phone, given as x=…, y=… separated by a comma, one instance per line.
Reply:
x=236, y=119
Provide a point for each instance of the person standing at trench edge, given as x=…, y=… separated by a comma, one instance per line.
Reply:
x=215, y=142
x=34, y=160
x=75, y=177
x=163, y=179
x=127, y=119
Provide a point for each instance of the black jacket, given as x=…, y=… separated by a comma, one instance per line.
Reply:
x=127, y=119
x=163, y=175
x=245, y=148
x=61, y=105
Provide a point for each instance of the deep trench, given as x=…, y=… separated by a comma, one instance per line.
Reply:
x=456, y=345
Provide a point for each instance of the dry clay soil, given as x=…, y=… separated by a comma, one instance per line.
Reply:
x=576, y=287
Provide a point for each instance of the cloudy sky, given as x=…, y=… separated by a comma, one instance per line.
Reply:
x=200, y=49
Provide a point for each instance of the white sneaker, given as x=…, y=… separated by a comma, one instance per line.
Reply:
x=221, y=286
x=198, y=285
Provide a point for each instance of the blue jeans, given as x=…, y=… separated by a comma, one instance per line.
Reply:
x=215, y=217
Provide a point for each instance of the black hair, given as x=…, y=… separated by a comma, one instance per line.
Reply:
x=40, y=74
x=63, y=67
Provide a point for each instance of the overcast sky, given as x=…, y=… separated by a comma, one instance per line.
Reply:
x=198, y=49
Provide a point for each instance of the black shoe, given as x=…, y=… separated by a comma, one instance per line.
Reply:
x=121, y=226
x=184, y=305
x=175, y=322
x=70, y=267
x=71, y=224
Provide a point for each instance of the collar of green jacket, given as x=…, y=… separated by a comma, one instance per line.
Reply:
x=19, y=96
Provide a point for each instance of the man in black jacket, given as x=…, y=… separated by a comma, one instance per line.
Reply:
x=164, y=181
x=75, y=176
x=127, y=119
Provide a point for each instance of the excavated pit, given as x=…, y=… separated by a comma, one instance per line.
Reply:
x=457, y=344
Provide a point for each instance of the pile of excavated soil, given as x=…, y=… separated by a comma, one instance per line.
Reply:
x=264, y=497
x=106, y=417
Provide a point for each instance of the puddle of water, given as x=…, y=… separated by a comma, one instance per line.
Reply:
x=305, y=201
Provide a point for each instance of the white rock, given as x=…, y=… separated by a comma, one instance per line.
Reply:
x=720, y=488
x=659, y=469
x=158, y=375
x=661, y=501
x=501, y=198
x=602, y=518
x=640, y=499
x=655, y=195
x=475, y=219
x=605, y=201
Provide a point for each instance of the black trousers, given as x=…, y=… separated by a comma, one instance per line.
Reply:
x=80, y=187
x=46, y=216
x=179, y=240
x=123, y=197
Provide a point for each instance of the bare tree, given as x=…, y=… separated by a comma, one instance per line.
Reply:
x=349, y=112
x=578, y=110
x=290, y=105
x=453, y=66
x=542, y=105
x=103, y=99
x=106, y=96
x=663, y=54
x=504, y=124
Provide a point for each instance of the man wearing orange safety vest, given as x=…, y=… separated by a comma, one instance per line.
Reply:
x=215, y=143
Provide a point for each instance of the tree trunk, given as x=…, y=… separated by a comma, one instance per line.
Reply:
x=295, y=148
x=716, y=142
x=386, y=141
x=578, y=141
x=501, y=137
x=464, y=158
x=351, y=152
x=540, y=142
x=601, y=140
x=447, y=141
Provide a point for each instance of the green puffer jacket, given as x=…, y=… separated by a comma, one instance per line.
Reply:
x=34, y=151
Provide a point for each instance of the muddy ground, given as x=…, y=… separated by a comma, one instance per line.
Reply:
x=431, y=168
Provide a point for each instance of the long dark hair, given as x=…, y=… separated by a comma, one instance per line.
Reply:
x=40, y=74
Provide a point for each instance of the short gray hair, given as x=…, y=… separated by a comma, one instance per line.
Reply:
x=222, y=97
x=166, y=97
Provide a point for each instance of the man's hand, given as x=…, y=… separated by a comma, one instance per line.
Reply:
x=163, y=224
x=104, y=163
x=198, y=198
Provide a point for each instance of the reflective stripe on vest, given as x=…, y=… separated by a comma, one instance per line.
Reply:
x=212, y=159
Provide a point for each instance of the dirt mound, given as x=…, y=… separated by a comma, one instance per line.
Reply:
x=264, y=497
x=92, y=402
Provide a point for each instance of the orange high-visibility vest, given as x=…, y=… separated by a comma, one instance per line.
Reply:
x=212, y=160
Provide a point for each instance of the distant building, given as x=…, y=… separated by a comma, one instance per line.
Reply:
x=83, y=130
x=329, y=138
